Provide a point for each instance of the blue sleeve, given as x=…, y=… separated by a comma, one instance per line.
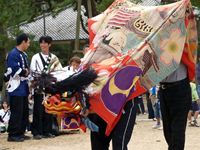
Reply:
x=153, y=90
x=13, y=61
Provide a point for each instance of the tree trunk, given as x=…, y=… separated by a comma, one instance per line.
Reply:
x=3, y=91
x=77, y=43
x=3, y=62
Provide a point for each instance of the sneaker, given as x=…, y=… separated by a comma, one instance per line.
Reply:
x=156, y=126
x=195, y=123
x=154, y=119
x=160, y=128
x=190, y=123
x=15, y=139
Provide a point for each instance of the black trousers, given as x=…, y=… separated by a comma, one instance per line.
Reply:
x=149, y=106
x=140, y=102
x=42, y=121
x=175, y=100
x=120, y=135
x=19, y=115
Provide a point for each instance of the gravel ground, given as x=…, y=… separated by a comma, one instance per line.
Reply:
x=143, y=138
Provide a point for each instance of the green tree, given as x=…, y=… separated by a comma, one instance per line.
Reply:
x=14, y=12
x=195, y=3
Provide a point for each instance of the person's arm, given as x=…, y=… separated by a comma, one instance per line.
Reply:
x=1, y=115
x=33, y=68
x=55, y=64
x=33, y=64
x=13, y=61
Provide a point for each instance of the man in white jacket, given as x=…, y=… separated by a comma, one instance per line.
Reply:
x=43, y=61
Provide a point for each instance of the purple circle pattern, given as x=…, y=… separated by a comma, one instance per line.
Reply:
x=123, y=80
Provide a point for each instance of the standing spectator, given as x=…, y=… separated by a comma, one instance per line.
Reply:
x=42, y=122
x=141, y=108
x=18, y=89
x=198, y=76
x=153, y=95
x=155, y=98
x=175, y=101
x=149, y=106
x=194, y=107
x=4, y=116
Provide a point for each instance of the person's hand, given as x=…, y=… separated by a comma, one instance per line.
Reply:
x=85, y=112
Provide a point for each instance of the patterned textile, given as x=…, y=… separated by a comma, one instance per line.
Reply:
x=132, y=48
x=70, y=122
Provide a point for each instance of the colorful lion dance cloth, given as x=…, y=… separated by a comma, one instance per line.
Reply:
x=67, y=110
x=133, y=48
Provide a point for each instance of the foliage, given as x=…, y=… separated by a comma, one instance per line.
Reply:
x=104, y=4
x=195, y=3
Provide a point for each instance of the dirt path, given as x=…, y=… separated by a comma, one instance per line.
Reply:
x=143, y=138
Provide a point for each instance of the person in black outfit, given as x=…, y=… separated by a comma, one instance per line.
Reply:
x=121, y=133
x=175, y=102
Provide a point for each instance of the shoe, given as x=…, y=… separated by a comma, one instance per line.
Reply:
x=195, y=123
x=48, y=135
x=15, y=139
x=37, y=137
x=190, y=123
x=156, y=126
x=160, y=128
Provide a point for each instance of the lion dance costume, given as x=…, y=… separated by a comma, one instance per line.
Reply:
x=132, y=48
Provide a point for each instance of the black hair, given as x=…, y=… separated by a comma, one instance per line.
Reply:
x=1, y=106
x=22, y=37
x=46, y=39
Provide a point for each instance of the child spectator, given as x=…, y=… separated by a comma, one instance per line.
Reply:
x=194, y=107
x=74, y=64
x=4, y=116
